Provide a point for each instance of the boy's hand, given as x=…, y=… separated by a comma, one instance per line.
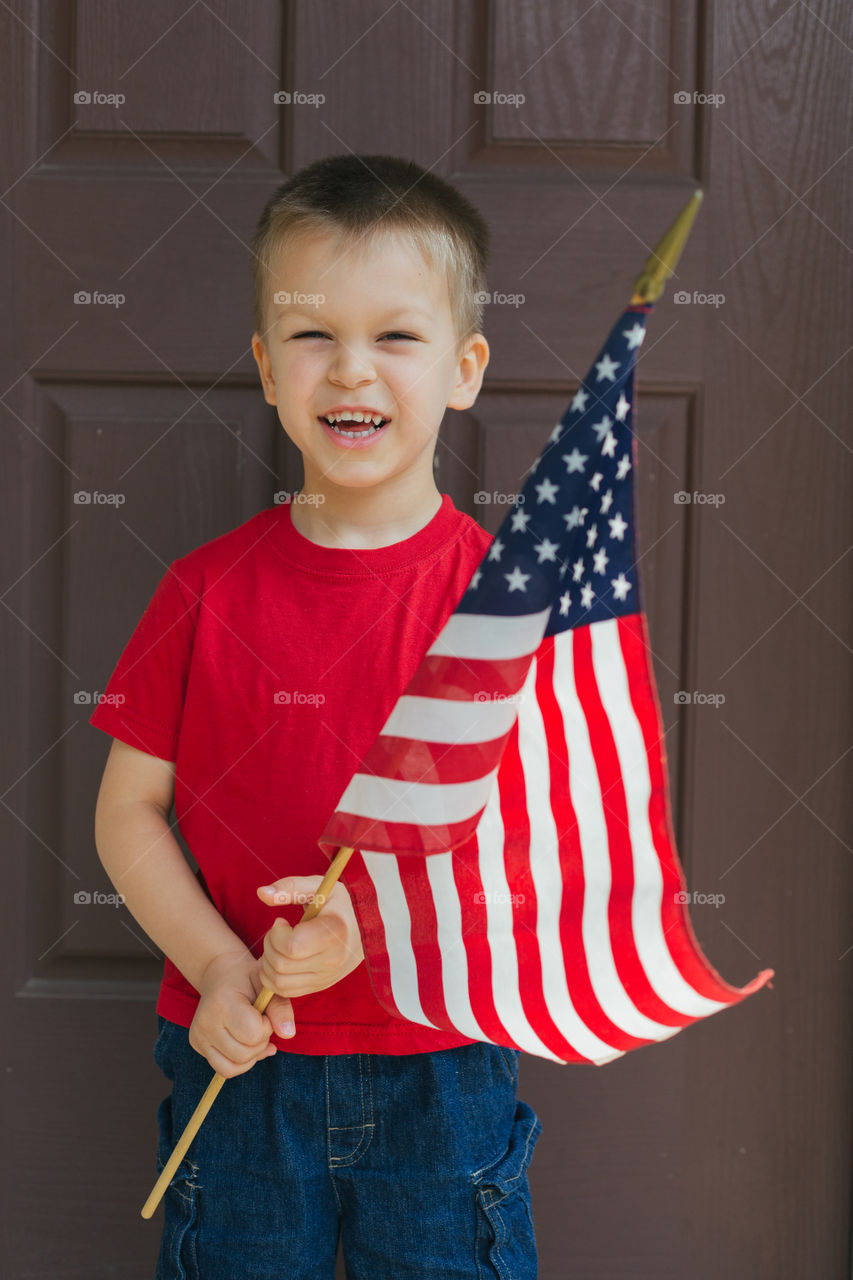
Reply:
x=226, y=1029
x=311, y=955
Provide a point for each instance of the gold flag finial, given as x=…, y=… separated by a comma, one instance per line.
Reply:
x=662, y=261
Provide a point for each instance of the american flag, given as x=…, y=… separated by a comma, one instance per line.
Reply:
x=522, y=884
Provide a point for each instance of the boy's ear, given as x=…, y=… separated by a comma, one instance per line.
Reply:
x=264, y=364
x=472, y=366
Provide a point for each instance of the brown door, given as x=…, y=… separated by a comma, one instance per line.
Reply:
x=139, y=145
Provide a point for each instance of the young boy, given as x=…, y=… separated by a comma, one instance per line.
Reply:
x=260, y=674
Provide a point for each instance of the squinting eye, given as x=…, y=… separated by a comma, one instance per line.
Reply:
x=315, y=333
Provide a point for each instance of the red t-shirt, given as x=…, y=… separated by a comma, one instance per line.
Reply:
x=265, y=666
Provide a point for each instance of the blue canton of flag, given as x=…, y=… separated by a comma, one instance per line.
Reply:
x=571, y=531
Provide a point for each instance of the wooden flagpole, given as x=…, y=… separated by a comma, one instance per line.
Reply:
x=329, y=880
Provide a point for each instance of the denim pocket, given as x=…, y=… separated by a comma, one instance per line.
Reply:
x=506, y=1242
x=163, y=1033
x=510, y=1060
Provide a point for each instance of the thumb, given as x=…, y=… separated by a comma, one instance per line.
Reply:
x=280, y=1013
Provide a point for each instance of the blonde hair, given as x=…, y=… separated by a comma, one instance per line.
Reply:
x=360, y=196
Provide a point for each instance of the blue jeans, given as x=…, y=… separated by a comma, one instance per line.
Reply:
x=419, y=1160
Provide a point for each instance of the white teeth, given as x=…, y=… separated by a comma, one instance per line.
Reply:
x=347, y=416
x=355, y=435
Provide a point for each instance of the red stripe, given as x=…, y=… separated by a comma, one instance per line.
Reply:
x=469, y=887
x=433, y=763
x=575, y=959
x=517, y=855
x=630, y=971
x=424, y=938
x=464, y=678
x=677, y=927
x=393, y=837
x=372, y=928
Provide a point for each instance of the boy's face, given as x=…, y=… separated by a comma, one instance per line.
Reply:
x=380, y=335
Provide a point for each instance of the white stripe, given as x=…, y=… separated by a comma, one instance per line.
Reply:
x=425, y=804
x=661, y=970
x=592, y=830
x=394, y=910
x=454, y=960
x=546, y=874
x=485, y=635
x=505, y=990
x=451, y=720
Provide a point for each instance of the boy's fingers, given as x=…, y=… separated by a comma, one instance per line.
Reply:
x=290, y=891
x=304, y=940
x=280, y=1013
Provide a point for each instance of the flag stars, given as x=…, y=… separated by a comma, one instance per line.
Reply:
x=606, y=369
x=601, y=428
x=575, y=461
x=621, y=586
x=579, y=402
x=547, y=550
x=635, y=336
x=556, y=433
x=587, y=594
x=596, y=481
x=623, y=468
x=622, y=408
x=475, y=581
x=519, y=521
x=591, y=535
x=576, y=517
x=565, y=601
x=577, y=570
x=600, y=560
x=517, y=580
x=617, y=527
x=547, y=491
x=496, y=550
x=607, y=502
x=609, y=445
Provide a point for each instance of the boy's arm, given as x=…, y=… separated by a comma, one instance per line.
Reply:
x=145, y=863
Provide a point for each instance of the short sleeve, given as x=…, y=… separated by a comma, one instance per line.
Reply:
x=144, y=697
